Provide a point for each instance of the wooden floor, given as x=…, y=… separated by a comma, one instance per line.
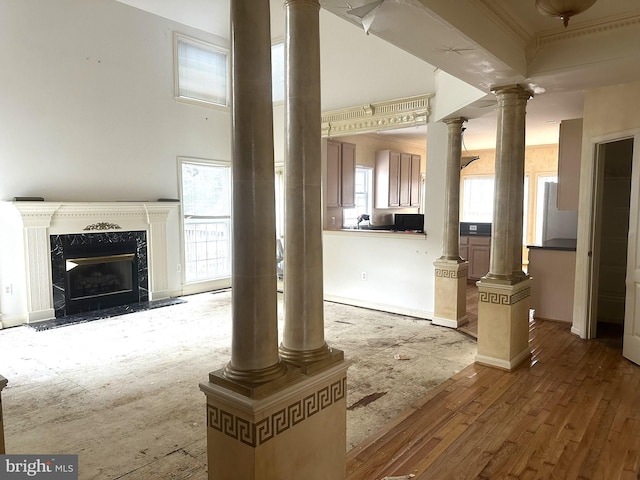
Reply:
x=572, y=411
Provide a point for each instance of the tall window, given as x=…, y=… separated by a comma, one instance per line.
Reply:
x=363, y=197
x=201, y=71
x=206, y=205
x=477, y=199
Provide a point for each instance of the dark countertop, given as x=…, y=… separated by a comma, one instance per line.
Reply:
x=566, y=244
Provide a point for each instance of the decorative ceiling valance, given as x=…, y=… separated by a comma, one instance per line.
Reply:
x=399, y=113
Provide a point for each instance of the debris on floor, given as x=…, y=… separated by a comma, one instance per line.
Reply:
x=401, y=477
x=398, y=356
x=364, y=401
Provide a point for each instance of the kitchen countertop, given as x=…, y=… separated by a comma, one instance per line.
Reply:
x=565, y=244
x=377, y=233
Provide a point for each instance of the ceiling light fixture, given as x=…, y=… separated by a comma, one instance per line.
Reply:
x=563, y=9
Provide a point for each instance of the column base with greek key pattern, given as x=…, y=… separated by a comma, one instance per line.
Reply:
x=450, y=305
x=503, y=323
x=299, y=431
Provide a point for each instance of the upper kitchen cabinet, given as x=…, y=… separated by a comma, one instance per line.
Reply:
x=341, y=174
x=397, y=179
x=569, y=155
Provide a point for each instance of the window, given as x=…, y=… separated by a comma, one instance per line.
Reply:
x=206, y=209
x=277, y=72
x=477, y=199
x=363, y=197
x=201, y=71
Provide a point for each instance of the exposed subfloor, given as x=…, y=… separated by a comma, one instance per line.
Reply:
x=123, y=394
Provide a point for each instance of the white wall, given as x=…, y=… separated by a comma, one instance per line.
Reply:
x=88, y=110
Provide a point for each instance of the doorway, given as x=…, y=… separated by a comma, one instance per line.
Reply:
x=610, y=239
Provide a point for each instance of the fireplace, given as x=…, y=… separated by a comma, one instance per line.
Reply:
x=81, y=256
x=92, y=271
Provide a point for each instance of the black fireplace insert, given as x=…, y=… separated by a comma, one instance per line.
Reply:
x=94, y=271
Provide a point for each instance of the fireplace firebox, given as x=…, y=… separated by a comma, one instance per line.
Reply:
x=94, y=271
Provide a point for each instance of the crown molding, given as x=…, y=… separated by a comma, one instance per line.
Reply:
x=399, y=113
x=584, y=29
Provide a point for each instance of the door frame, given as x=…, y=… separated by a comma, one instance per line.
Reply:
x=586, y=279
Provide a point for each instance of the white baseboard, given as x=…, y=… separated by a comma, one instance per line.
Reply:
x=381, y=307
x=447, y=322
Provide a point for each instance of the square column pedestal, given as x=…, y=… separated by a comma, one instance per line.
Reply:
x=503, y=323
x=298, y=431
x=450, y=309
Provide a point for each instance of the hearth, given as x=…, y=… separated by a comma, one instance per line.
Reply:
x=94, y=271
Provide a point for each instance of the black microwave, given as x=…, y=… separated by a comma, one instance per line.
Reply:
x=408, y=222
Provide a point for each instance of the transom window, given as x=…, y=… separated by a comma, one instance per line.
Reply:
x=202, y=71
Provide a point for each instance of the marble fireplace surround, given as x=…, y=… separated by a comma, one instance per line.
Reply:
x=43, y=219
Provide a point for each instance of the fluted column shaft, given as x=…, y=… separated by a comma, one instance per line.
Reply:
x=451, y=227
x=254, y=347
x=508, y=190
x=303, y=338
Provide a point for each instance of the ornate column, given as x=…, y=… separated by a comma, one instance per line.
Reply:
x=254, y=345
x=504, y=293
x=267, y=419
x=450, y=309
x=303, y=341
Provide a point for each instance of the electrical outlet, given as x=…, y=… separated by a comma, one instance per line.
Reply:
x=363, y=275
x=8, y=290
x=178, y=268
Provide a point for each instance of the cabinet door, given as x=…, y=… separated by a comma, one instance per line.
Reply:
x=479, y=253
x=348, y=176
x=415, y=181
x=394, y=179
x=405, y=179
x=333, y=173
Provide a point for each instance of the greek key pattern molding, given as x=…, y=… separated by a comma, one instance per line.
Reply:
x=255, y=434
x=503, y=298
x=445, y=273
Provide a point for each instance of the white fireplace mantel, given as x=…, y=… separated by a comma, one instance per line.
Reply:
x=42, y=219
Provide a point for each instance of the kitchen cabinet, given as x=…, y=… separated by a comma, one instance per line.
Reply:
x=397, y=179
x=341, y=174
x=477, y=251
x=552, y=267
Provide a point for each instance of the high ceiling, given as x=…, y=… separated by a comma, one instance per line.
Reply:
x=485, y=43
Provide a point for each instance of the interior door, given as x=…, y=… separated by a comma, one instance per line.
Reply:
x=631, y=341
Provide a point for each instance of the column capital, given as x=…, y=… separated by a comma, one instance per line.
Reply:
x=454, y=120
x=516, y=89
x=315, y=3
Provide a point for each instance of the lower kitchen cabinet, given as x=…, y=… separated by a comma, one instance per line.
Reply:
x=477, y=251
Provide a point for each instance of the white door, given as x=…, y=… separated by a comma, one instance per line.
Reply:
x=631, y=342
